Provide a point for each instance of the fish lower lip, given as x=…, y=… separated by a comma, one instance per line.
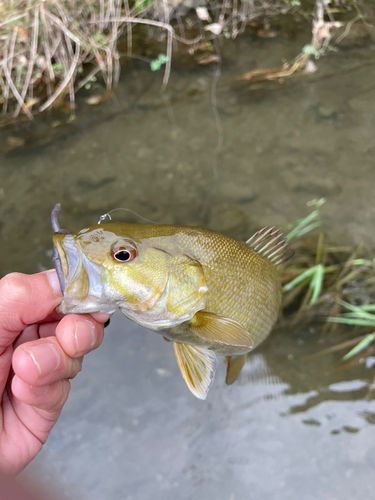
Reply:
x=58, y=267
x=60, y=260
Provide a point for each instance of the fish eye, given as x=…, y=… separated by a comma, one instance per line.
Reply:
x=123, y=251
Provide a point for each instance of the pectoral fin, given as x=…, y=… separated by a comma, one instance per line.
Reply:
x=210, y=326
x=198, y=367
x=235, y=365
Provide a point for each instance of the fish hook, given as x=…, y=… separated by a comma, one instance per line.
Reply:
x=104, y=216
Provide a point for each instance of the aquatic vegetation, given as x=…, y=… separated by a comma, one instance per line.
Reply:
x=358, y=316
x=157, y=63
x=321, y=274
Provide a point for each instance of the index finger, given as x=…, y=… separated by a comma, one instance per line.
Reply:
x=25, y=300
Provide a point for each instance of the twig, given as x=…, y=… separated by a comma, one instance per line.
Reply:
x=31, y=60
x=16, y=93
x=8, y=21
x=87, y=78
x=64, y=83
x=215, y=111
x=348, y=28
x=63, y=28
x=129, y=29
x=171, y=35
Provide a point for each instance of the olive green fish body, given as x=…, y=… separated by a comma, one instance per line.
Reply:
x=241, y=284
x=202, y=290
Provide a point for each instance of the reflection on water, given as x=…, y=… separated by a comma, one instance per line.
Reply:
x=286, y=429
x=294, y=425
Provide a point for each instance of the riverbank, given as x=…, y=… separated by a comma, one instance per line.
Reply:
x=50, y=50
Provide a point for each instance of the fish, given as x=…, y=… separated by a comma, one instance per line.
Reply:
x=205, y=292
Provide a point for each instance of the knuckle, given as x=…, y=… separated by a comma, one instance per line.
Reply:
x=11, y=283
x=56, y=395
x=75, y=367
x=62, y=393
x=15, y=290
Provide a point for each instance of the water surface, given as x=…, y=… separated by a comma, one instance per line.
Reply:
x=292, y=426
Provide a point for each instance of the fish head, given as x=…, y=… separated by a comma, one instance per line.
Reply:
x=106, y=267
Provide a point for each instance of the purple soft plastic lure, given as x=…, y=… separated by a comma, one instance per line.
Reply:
x=55, y=256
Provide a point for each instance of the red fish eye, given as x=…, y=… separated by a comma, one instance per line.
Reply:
x=123, y=251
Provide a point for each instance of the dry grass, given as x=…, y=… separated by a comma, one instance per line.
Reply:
x=52, y=48
x=44, y=45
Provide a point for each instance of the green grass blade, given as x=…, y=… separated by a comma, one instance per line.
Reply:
x=309, y=228
x=359, y=314
x=306, y=225
x=316, y=283
x=368, y=307
x=351, y=307
x=351, y=321
x=296, y=281
x=360, y=346
x=359, y=262
x=358, y=311
x=302, y=223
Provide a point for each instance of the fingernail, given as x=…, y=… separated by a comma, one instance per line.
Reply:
x=84, y=336
x=54, y=282
x=45, y=357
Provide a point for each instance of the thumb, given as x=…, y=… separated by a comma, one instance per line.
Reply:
x=25, y=300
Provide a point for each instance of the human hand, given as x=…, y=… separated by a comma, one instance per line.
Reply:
x=45, y=350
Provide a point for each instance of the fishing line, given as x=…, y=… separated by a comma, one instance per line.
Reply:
x=215, y=110
x=104, y=216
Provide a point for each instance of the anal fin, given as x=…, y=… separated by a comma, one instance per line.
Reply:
x=235, y=365
x=197, y=366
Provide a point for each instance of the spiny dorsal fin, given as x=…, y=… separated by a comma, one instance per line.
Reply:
x=269, y=243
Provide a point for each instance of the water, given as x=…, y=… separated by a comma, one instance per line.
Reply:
x=292, y=426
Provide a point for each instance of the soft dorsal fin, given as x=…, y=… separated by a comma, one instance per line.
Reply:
x=197, y=366
x=269, y=243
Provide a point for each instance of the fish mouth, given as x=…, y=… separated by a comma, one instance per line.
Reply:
x=69, y=265
x=68, y=261
x=81, y=280
x=60, y=265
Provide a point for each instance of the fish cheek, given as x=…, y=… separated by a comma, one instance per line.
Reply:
x=141, y=283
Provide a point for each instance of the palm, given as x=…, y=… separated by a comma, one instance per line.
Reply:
x=19, y=444
x=25, y=427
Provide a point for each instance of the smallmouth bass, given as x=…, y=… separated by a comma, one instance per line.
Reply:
x=205, y=292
